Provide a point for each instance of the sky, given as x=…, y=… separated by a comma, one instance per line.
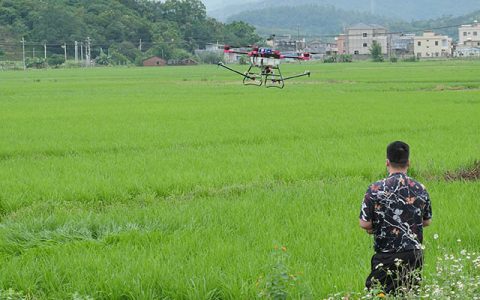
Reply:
x=214, y=4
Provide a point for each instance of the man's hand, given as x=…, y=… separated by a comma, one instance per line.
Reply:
x=427, y=222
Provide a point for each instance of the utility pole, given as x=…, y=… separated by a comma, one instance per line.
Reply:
x=140, y=46
x=45, y=51
x=76, y=52
x=33, y=52
x=65, y=50
x=389, y=45
x=23, y=51
x=81, y=51
x=89, y=51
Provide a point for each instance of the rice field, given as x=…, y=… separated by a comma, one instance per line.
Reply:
x=180, y=183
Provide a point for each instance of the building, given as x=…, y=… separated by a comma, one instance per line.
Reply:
x=231, y=58
x=469, y=35
x=467, y=52
x=286, y=43
x=360, y=38
x=210, y=48
x=402, y=44
x=341, y=44
x=319, y=49
x=154, y=61
x=431, y=45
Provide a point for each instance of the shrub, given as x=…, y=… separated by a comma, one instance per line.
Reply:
x=118, y=58
x=412, y=58
x=330, y=59
x=55, y=60
x=35, y=62
x=103, y=59
x=376, y=52
x=345, y=58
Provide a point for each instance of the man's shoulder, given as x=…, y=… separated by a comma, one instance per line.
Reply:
x=389, y=181
x=414, y=184
x=377, y=185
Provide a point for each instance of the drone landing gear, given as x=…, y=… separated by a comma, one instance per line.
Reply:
x=272, y=79
x=269, y=76
x=252, y=78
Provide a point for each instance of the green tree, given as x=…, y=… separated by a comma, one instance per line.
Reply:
x=376, y=52
x=241, y=34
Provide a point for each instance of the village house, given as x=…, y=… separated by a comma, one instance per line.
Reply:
x=341, y=44
x=286, y=43
x=431, y=45
x=360, y=37
x=154, y=61
x=469, y=35
x=319, y=49
x=402, y=44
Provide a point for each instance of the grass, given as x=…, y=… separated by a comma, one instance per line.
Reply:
x=179, y=182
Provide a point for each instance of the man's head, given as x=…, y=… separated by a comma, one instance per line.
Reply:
x=398, y=155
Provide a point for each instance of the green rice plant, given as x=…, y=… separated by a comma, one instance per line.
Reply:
x=133, y=183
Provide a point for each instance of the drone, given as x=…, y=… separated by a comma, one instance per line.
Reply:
x=264, y=66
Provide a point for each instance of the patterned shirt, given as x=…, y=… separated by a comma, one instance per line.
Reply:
x=396, y=206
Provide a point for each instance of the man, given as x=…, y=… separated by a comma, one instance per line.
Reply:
x=395, y=210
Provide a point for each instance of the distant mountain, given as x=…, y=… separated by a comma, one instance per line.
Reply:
x=311, y=20
x=407, y=10
x=305, y=20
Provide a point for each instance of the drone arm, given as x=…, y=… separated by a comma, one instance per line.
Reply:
x=306, y=73
x=221, y=64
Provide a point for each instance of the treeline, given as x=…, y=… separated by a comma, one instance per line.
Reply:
x=313, y=20
x=171, y=29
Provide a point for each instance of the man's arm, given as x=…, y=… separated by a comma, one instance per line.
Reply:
x=367, y=225
x=366, y=212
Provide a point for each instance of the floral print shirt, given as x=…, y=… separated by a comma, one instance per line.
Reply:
x=396, y=206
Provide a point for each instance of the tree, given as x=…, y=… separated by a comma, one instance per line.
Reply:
x=376, y=52
x=240, y=33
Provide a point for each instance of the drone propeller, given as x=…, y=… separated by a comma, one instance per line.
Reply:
x=302, y=56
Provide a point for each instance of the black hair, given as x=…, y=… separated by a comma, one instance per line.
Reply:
x=398, y=153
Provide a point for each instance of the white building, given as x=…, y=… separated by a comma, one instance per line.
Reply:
x=469, y=35
x=360, y=37
x=466, y=52
x=431, y=45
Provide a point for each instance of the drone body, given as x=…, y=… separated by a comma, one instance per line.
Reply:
x=265, y=67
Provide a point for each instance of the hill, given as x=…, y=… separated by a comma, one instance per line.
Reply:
x=312, y=20
x=170, y=27
x=406, y=10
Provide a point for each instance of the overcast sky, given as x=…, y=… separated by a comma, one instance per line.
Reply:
x=213, y=4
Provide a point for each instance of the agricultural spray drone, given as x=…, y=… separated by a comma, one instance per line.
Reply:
x=265, y=67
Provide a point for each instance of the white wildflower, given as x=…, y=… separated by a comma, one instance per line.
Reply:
x=435, y=236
